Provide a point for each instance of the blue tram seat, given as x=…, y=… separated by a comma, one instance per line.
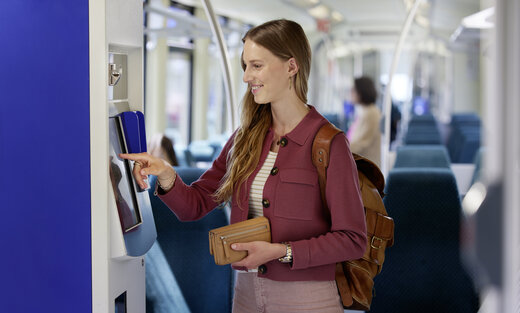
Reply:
x=202, y=151
x=163, y=294
x=423, y=130
x=423, y=137
x=198, y=151
x=468, y=119
x=422, y=156
x=422, y=120
x=463, y=143
x=469, y=147
x=206, y=287
x=464, y=137
x=428, y=118
x=334, y=119
x=422, y=271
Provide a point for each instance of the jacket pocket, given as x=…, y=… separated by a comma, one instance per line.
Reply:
x=296, y=194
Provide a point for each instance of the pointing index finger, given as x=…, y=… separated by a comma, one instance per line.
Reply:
x=132, y=156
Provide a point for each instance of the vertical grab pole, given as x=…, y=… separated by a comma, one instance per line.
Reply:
x=225, y=64
x=387, y=103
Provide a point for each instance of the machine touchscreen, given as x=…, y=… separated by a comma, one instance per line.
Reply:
x=122, y=179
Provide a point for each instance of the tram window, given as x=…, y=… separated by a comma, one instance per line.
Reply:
x=216, y=101
x=217, y=114
x=178, y=97
x=187, y=116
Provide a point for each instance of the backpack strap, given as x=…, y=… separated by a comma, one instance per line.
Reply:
x=321, y=154
x=320, y=159
x=354, y=288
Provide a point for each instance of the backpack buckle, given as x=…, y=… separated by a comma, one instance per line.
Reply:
x=372, y=242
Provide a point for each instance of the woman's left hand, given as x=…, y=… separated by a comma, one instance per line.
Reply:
x=258, y=253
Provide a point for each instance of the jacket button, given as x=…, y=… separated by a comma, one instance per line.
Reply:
x=274, y=171
x=283, y=142
x=266, y=203
x=262, y=269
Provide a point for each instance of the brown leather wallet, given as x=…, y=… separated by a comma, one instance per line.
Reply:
x=220, y=239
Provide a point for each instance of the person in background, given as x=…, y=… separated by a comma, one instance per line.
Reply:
x=395, y=118
x=162, y=147
x=266, y=169
x=364, y=133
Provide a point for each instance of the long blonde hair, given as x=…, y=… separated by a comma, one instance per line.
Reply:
x=285, y=39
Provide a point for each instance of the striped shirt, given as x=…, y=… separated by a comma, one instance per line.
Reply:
x=256, y=208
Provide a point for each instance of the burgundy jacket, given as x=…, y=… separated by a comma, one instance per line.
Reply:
x=292, y=203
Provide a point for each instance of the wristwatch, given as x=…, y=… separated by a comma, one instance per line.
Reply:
x=288, y=253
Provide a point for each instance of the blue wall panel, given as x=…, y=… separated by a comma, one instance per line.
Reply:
x=44, y=157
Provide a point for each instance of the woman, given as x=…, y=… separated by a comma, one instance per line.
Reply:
x=364, y=133
x=266, y=169
x=162, y=147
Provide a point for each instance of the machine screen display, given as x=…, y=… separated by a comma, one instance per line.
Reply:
x=122, y=179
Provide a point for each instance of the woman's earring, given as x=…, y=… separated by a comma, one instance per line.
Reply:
x=290, y=83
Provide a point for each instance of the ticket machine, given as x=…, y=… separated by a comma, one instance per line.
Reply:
x=123, y=228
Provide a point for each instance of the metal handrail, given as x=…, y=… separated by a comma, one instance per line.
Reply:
x=224, y=60
x=387, y=103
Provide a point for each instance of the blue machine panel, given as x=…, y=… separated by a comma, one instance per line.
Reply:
x=45, y=156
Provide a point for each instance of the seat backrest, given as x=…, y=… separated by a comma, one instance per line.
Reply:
x=427, y=118
x=163, y=294
x=423, y=272
x=424, y=203
x=469, y=147
x=465, y=119
x=422, y=130
x=201, y=151
x=204, y=285
x=422, y=156
x=422, y=139
x=463, y=141
x=422, y=134
x=334, y=119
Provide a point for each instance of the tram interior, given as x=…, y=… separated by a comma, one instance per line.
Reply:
x=435, y=157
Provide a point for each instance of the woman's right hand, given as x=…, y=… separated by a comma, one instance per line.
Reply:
x=146, y=164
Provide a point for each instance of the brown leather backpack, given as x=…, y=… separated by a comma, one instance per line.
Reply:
x=355, y=277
